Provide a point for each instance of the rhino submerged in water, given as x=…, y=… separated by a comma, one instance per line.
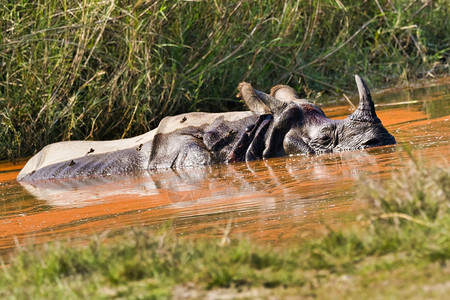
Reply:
x=278, y=124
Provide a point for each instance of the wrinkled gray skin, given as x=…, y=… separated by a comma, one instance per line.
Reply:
x=278, y=124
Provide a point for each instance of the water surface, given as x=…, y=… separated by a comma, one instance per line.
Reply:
x=276, y=201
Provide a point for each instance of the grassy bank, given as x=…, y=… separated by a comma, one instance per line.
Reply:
x=399, y=249
x=108, y=69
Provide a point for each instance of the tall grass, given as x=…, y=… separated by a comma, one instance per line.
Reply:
x=90, y=69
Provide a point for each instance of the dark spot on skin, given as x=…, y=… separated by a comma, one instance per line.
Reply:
x=90, y=151
x=183, y=120
x=71, y=163
x=139, y=147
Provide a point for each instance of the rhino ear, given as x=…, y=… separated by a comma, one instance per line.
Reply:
x=259, y=103
x=366, y=108
x=284, y=93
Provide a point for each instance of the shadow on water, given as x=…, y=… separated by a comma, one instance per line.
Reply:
x=277, y=201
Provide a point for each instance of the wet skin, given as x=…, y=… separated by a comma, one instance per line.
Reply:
x=278, y=124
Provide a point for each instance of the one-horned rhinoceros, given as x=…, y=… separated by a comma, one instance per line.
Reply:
x=277, y=124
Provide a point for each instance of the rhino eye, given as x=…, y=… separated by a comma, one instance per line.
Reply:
x=325, y=139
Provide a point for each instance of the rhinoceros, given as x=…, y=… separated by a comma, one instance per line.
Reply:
x=278, y=124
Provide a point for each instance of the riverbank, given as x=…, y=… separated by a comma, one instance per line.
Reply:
x=106, y=70
x=399, y=248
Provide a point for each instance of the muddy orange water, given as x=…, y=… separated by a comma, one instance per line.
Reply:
x=276, y=201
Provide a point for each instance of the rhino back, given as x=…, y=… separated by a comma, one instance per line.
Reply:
x=80, y=158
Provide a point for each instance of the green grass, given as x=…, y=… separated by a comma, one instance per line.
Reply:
x=400, y=248
x=109, y=69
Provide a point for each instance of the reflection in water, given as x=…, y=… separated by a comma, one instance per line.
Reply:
x=277, y=200
x=265, y=176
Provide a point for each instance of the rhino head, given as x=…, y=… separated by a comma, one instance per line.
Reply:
x=299, y=126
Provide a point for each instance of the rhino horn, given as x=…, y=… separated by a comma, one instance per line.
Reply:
x=366, y=108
